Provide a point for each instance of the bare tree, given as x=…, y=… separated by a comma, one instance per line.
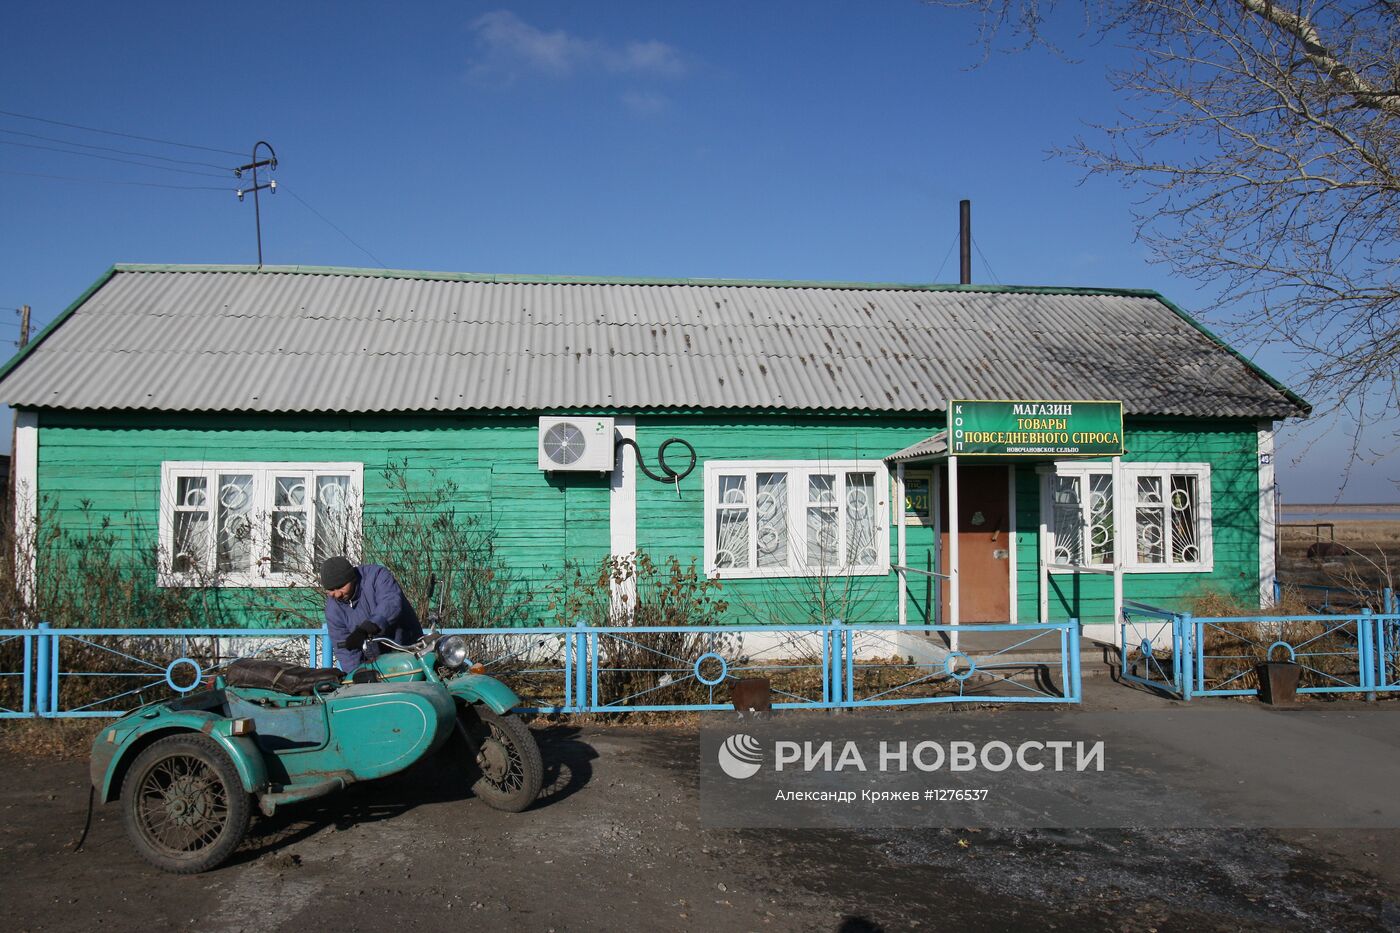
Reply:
x=1265, y=136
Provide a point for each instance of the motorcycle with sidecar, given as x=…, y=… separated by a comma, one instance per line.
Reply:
x=187, y=771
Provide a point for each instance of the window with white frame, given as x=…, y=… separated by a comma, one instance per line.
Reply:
x=1163, y=509
x=784, y=518
x=255, y=524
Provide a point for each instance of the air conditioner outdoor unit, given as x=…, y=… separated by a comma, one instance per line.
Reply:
x=576, y=444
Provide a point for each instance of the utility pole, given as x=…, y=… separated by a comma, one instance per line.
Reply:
x=14, y=431
x=271, y=163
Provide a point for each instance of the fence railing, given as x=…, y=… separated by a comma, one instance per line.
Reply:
x=53, y=672
x=1336, y=597
x=1187, y=657
x=1152, y=652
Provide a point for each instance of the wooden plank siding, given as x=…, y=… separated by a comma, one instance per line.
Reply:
x=1231, y=449
x=107, y=465
x=667, y=525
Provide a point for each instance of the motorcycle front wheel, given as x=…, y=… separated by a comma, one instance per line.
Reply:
x=505, y=755
x=183, y=804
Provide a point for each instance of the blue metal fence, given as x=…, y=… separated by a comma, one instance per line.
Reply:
x=1336, y=597
x=1187, y=657
x=1153, y=653
x=579, y=669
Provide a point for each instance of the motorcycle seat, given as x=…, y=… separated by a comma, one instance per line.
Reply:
x=282, y=676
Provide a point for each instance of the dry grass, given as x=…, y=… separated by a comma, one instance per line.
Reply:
x=1351, y=532
x=791, y=679
x=1208, y=603
x=49, y=738
x=1371, y=563
x=1327, y=650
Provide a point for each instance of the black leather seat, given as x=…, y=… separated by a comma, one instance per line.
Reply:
x=282, y=676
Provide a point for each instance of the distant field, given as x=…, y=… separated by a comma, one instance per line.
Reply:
x=1342, y=507
x=1322, y=512
x=1372, y=561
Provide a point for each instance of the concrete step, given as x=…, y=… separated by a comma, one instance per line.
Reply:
x=1007, y=647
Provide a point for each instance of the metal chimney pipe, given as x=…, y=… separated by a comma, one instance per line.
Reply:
x=964, y=242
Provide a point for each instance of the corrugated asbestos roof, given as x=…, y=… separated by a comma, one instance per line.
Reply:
x=179, y=338
x=934, y=446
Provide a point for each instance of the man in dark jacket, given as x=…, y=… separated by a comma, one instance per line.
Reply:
x=365, y=602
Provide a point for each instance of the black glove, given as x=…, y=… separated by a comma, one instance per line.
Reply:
x=356, y=640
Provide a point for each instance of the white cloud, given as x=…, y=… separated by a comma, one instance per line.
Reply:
x=511, y=47
x=645, y=103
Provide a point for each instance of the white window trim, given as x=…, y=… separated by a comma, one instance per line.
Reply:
x=1125, y=512
x=797, y=506
x=1077, y=469
x=262, y=545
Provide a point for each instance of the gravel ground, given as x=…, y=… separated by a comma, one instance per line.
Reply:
x=616, y=843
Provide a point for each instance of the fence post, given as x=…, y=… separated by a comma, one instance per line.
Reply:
x=838, y=663
x=1365, y=652
x=826, y=667
x=1388, y=605
x=27, y=679
x=1123, y=642
x=1075, y=640
x=327, y=649
x=568, y=672
x=1186, y=631
x=55, y=663
x=848, y=652
x=42, y=671
x=579, y=638
x=591, y=637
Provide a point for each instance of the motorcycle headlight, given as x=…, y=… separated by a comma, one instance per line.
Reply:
x=452, y=650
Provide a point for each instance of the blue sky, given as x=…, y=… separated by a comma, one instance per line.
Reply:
x=780, y=140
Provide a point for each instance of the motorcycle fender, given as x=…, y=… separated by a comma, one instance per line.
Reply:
x=479, y=688
x=241, y=750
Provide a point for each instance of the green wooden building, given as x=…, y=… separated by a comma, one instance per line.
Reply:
x=241, y=414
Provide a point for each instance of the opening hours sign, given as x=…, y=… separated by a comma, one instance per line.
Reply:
x=1035, y=428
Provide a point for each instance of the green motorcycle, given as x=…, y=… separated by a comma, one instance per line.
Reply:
x=187, y=771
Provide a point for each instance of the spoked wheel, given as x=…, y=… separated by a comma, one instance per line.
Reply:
x=183, y=804
x=505, y=754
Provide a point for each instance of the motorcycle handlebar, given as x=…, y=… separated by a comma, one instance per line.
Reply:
x=393, y=644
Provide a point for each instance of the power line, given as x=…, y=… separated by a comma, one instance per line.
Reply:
x=144, y=155
x=333, y=226
x=93, y=155
x=144, y=139
x=951, y=246
x=116, y=181
x=986, y=265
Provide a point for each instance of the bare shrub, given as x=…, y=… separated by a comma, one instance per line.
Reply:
x=1326, y=649
x=423, y=534
x=651, y=668
x=97, y=572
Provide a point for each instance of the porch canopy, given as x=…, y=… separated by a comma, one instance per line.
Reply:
x=934, y=450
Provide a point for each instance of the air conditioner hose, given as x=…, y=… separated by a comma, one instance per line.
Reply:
x=671, y=476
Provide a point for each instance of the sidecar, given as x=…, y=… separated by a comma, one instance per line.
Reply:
x=187, y=770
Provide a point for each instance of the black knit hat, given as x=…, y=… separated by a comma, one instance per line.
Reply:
x=336, y=572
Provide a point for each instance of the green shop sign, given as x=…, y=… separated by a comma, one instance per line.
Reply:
x=1035, y=428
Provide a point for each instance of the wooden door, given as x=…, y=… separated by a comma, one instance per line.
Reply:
x=984, y=529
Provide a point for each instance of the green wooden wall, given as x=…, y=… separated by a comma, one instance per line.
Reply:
x=95, y=466
x=1231, y=449
x=666, y=525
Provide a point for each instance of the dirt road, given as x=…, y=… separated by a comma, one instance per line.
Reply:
x=616, y=844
